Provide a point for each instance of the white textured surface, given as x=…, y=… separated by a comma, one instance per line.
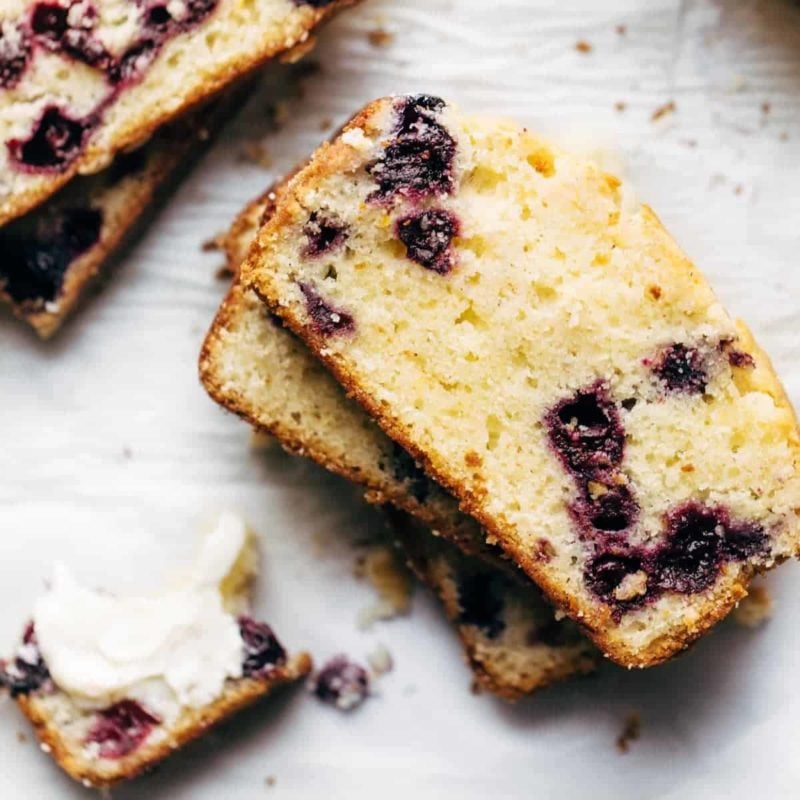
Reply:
x=112, y=454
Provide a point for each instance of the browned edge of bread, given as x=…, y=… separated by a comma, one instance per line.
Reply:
x=192, y=724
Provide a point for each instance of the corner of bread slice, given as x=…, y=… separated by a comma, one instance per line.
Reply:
x=513, y=639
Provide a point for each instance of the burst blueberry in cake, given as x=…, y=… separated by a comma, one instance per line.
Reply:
x=256, y=368
x=114, y=685
x=510, y=315
x=130, y=66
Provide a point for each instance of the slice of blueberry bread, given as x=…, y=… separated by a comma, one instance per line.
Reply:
x=256, y=368
x=81, y=80
x=532, y=335
x=514, y=642
x=115, y=685
x=52, y=253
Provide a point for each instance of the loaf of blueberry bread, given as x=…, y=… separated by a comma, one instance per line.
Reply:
x=515, y=319
x=82, y=81
x=513, y=641
x=115, y=685
x=52, y=253
x=253, y=366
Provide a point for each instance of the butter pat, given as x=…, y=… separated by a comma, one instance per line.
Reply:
x=174, y=649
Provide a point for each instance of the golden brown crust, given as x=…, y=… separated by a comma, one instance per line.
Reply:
x=192, y=724
x=93, y=159
x=337, y=157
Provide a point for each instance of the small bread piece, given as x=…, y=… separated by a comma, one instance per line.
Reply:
x=52, y=253
x=81, y=82
x=256, y=368
x=102, y=744
x=513, y=641
x=532, y=335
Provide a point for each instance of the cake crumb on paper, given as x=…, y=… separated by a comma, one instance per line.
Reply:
x=380, y=661
x=663, y=111
x=380, y=37
x=384, y=569
x=270, y=780
x=582, y=46
x=631, y=731
x=755, y=609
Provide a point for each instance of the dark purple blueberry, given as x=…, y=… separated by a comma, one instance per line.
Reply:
x=680, y=369
x=313, y=3
x=586, y=432
x=341, y=683
x=15, y=52
x=326, y=319
x=416, y=109
x=405, y=468
x=688, y=561
x=480, y=598
x=134, y=61
x=611, y=509
x=323, y=234
x=698, y=540
x=121, y=728
x=605, y=572
x=56, y=141
x=263, y=651
x=34, y=262
x=741, y=360
x=158, y=18
x=418, y=161
x=50, y=22
x=427, y=236
x=26, y=672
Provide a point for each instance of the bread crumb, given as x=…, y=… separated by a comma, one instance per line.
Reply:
x=755, y=609
x=256, y=153
x=325, y=124
x=380, y=37
x=215, y=243
x=621, y=30
x=632, y=586
x=21, y=737
x=631, y=732
x=766, y=107
x=385, y=570
x=620, y=106
x=270, y=780
x=663, y=111
x=223, y=273
x=380, y=661
x=582, y=46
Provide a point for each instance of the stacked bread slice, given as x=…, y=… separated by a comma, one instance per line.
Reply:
x=525, y=333
x=100, y=103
